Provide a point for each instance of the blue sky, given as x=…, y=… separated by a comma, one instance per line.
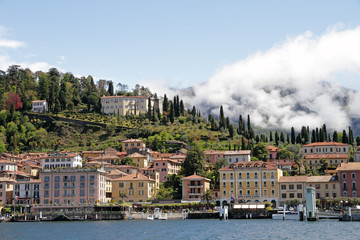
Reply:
x=181, y=42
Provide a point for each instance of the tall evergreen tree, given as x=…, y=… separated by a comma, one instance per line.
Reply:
x=277, y=138
x=324, y=133
x=110, y=88
x=172, y=113
x=282, y=137
x=293, y=136
x=182, y=108
x=227, y=122
x=335, y=137
x=222, y=118
x=165, y=104
x=243, y=144
x=149, y=109
x=288, y=138
x=271, y=137
x=345, y=138
x=313, y=136
x=250, y=130
x=351, y=136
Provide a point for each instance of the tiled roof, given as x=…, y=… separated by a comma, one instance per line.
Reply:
x=325, y=144
x=293, y=179
x=349, y=166
x=241, y=152
x=273, y=149
x=134, y=177
x=213, y=152
x=252, y=164
x=7, y=162
x=325, y=178
x=137, y=155
x=197, y=177
x=39, y=101
x=326, y=156
x=92, y=152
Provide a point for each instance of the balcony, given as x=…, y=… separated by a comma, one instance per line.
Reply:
x=194, y=194
x=195, y=186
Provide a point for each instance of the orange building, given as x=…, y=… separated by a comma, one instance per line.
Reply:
x=193, y=187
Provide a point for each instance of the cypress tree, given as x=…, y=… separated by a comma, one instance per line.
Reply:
x=345, y=138
x=282, y=137
x=325, y=133
x=351, y=136
x=317, y=135
x=288, y=138
x=313, y=136
x=172, y=114
x=165, y=104
x=111, y=88
x=243, y=144
x=277, y=138
x=293, y=136
x=149, y=109
x=222, y=118
x=321, y=135
x=227, y=122
x=335, y=137
x=271, y=137
x=182, y=108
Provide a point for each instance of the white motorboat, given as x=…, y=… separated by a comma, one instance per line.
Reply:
x=289, y=215
x=163, y=216
x=150, y=217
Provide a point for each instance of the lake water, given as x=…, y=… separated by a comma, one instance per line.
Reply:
x=182, y=229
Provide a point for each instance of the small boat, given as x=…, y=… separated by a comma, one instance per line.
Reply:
x=163, y=216
x=150, y=217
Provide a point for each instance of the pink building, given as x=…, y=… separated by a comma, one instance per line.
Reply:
x=273, y=152
x=166, y=167
x=349, y=177
x=212, y=156
x=73, y=186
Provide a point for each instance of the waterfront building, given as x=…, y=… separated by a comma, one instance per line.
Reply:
x=61, y=160
x=133, y=188
x=254, y=181
x=129, y=105
x=27, y=191
x=273, y=151
x=165, y=166
x=357, y=154
x=108, y=189
x=132, y=143
x=40, y=106
x=333, y=152
x=6, y=190
x=349, y=177
x=326, y=186
x=73, y=186
x=193, y=187
x=153, y=174
x=291, y=187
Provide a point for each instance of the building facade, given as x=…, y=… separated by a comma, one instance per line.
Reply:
x=194, y=187
x=326, y=186
x=291, y=187
x=39, y=106
x=349, y=177
x=61, y=160
x=27, y=191
x=73, y=186
x=129, y=105
x=165, y=167
x=133, y=188
x=254, y=181
x=6, y=190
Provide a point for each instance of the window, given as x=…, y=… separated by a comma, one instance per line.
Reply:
x=46, y=186
x=272, y=175
x=121, y=184
x=224, y=193
x=264, y=175
x=92, y=192
x=353, y=175
x=248, y=192
x=344, y=186
x=317, y=186
x=283, y=187
x=256, y=175
x=92, y=178
x=224, y=176
x=73, y=178
x=283, y=195
x=82, y=192
x=299, y=195
x=141, y=192
x=46, y=193
x=272, y=192
x=265, y=184
x=272, y=184
x=231, y=184
x=256, y=193
x=326, y=194
x=345, y=194
x=344, y=175
x=82, y=185
x=231, y=176
x=353, y=186
x=57, y=185
x=247, y=175
x=247, y=184
x=240, y=176
x=240, y=192
x=131, y=192
x=265, y=192
x=291, y=186
x=240, y=184
x=299, y=186
x=224, y=184
x=57, y=178
x=46, y=179
x=291, y=195
x=56, y=193
x=256, y=184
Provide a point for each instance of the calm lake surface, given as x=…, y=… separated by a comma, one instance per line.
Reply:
x=182, y=229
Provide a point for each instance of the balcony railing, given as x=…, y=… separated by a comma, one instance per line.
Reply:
x=194, y=185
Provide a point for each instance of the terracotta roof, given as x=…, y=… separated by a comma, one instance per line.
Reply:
x=213, y=152
x=122, y=96
x=106, y=157
x=197, y=177
x=325, y=178
x=273, y=149
x=137, y=155
x=327, y=156
x=251, y=164
x=5, y=179
x=91, y=163
x=241, y=152
x=92, y=152
x=115, y=172
x=29, y=181
x=348, y=166
x=16, y=172
x=61, y=156
x=282, y=161
x=7, y=162
x=39, y=101
x=325, y=144
x=134, y=177
x=293, y=179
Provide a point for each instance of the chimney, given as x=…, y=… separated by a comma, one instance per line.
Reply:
x=137, y=174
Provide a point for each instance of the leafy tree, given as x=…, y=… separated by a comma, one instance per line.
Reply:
x=164, y=193
x=261, y=152
x=175, y=183
x=194, y=161
x=285, y=154
x=127, y=161
x=208, y=196
x=13, y=98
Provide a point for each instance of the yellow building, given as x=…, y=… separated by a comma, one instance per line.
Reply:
x=140, y=160
x=133, y=188
x=326, y=186
x=132, y=143
x=250, y=182
x=108, y=190
x=292, y=187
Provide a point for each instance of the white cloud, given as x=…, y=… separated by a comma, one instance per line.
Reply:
x=5, y=43
x=6, y=61
x=292, y=84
